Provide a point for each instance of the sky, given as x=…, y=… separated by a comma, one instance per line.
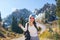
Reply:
x=8, y=6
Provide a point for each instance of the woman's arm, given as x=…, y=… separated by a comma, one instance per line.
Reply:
x=42, y=26
x=21, y=26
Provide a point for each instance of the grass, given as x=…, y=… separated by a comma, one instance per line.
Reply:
x=44, y=36
x=50, y=35
x=55, y=35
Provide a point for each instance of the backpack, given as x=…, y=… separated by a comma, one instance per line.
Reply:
x=27, y=33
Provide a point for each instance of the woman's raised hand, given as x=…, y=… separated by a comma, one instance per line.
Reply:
x=20, y=25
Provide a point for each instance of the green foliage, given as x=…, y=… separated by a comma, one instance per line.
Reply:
x=56, y=36
x=50, y=30
x=0, y=17
x=22, y=21
x=2, y=35
x=58, y=9
x=15, y=27
x=1, y=31
x=47, y=14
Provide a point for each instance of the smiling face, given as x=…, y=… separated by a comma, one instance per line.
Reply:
x=32, y=19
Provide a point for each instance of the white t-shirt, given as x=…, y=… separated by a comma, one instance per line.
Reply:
x=33, y=30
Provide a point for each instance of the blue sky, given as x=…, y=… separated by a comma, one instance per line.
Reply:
x=8, y=6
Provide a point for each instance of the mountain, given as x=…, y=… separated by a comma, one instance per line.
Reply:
x=49, y=10
x=18, y=13
x=47, y=6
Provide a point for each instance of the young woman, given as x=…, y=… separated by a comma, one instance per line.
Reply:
x=33, y=31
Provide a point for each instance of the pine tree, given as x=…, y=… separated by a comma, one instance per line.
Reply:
x=47, y=15
x=2, y=30
x=15, y=27
x=56, y=35
x=0, y=17
x=58, y=9
x=22, y=21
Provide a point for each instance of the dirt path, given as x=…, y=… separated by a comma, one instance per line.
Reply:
x=21, y=38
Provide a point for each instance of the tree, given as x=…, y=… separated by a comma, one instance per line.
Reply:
x=0, y=17
x=58, y=10
x=22, y=21
x=2, y=35
x=15, y=27
x=47, y=15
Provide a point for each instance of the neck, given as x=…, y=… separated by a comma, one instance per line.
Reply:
x=30, y=23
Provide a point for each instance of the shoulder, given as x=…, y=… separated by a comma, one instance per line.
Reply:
x=37, y=23
x=40, y=25
x=27, y=23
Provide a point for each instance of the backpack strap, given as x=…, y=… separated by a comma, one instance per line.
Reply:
x=27, y=25
x=36, y=27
